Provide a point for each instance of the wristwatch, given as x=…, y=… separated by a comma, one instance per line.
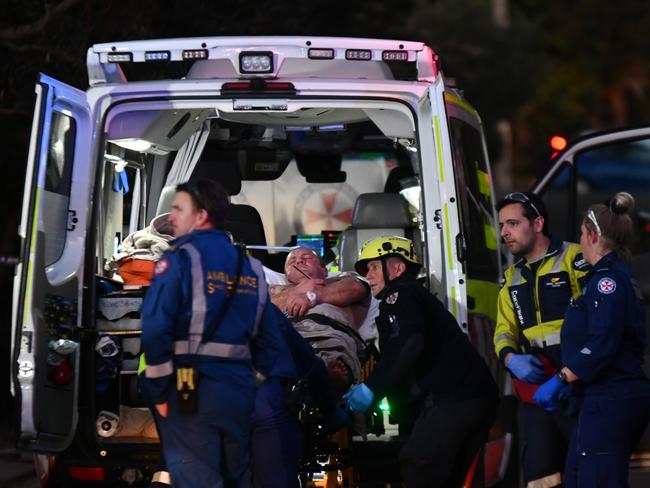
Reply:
x=311, y=296
x=561, y=375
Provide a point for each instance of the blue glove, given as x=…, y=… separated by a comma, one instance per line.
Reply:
x=548, y=395
x=359, y=398
x=527, y=367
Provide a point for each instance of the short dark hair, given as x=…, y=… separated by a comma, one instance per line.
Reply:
x=532, y=204
x=210, y=196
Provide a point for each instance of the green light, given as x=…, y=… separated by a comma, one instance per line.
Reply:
x=384, y=406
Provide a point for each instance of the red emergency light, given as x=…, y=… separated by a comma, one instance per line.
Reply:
x=558, y=143
x=86, y=473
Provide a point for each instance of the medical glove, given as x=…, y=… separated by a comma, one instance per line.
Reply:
x=527, y=367
x=359, y=398
x=548, y=395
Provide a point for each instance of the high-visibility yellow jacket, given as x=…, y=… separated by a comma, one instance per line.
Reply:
x=531, y=305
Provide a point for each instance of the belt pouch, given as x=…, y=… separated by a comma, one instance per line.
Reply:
x=186, y=386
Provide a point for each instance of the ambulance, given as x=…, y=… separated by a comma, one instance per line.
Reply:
x=320, y=141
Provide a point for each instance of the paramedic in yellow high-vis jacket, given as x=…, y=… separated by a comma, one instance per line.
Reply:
x=531, y=306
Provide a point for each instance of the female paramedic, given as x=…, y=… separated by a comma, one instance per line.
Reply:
x=603, y=340
x=427, y=367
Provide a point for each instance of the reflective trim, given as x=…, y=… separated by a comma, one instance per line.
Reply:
x=197, y=322
x=549, y=340
x=516, y=277
x=215, y=349
x=559, y=259
x=262, y=292
x=162, y=477
x=549, y=481
x=505, y=337
x=159, y=370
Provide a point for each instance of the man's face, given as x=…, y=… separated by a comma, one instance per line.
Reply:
x=517, y=232
x=301, y=264
x=375, y=275
x=184, y=216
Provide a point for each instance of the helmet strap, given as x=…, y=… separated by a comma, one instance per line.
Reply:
x=384, y=270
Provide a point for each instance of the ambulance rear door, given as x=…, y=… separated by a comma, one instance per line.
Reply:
x=48, y=285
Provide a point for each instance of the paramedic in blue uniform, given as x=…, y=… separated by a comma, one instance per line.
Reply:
x=603, y=340
x=428, y=362
x=207, y=322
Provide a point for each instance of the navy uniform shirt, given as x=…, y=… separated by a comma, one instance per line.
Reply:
x=189, y=287
x=424, y=351
x=603, y=337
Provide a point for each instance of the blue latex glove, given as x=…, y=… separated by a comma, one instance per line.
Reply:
x=359, y=398
x=548, y=395
x=527, y=367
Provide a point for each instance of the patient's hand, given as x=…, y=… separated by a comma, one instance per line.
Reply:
x=311, y=284
x=298, y=304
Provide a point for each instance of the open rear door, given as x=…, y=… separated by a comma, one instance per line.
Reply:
x=48, y=285
x=591, y=170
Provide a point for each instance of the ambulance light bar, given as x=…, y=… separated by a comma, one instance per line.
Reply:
x=256, y=56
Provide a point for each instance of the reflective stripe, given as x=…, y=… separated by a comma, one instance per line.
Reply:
x=559, y=259
x=197, y=322
x=159, y=370
x=549, y=481
x=162, y=477
x=215, y=349
x=262, y=292
x=549, y=340
x=505, y=337
x=516, y=277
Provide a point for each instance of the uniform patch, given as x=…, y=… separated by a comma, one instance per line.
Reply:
x=580, y=263
x=161, y=267
x=392, y=298
x=606, y=286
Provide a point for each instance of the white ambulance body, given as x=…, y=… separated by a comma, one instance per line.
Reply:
x=315, y=139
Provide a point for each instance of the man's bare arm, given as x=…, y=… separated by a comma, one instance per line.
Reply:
x=343, y=292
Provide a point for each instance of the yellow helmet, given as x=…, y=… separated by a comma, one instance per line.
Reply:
x=386, y=246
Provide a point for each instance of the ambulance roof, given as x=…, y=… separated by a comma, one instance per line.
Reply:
x=267, y=57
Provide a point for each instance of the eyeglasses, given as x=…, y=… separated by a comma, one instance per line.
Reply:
x=591, y=215
x=520, y=197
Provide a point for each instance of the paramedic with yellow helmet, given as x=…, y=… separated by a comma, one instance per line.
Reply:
x=428, y=370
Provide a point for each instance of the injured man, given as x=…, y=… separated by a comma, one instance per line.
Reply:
x=327, y=312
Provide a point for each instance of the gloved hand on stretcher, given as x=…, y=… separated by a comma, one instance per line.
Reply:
x=359, y=398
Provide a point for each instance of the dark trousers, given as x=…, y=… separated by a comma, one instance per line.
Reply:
x=546, y=436
x=210, y=447
x=444, y=441
x=276, y=437
x=607, y=431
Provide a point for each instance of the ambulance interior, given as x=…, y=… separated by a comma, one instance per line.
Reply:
x=326, y=178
